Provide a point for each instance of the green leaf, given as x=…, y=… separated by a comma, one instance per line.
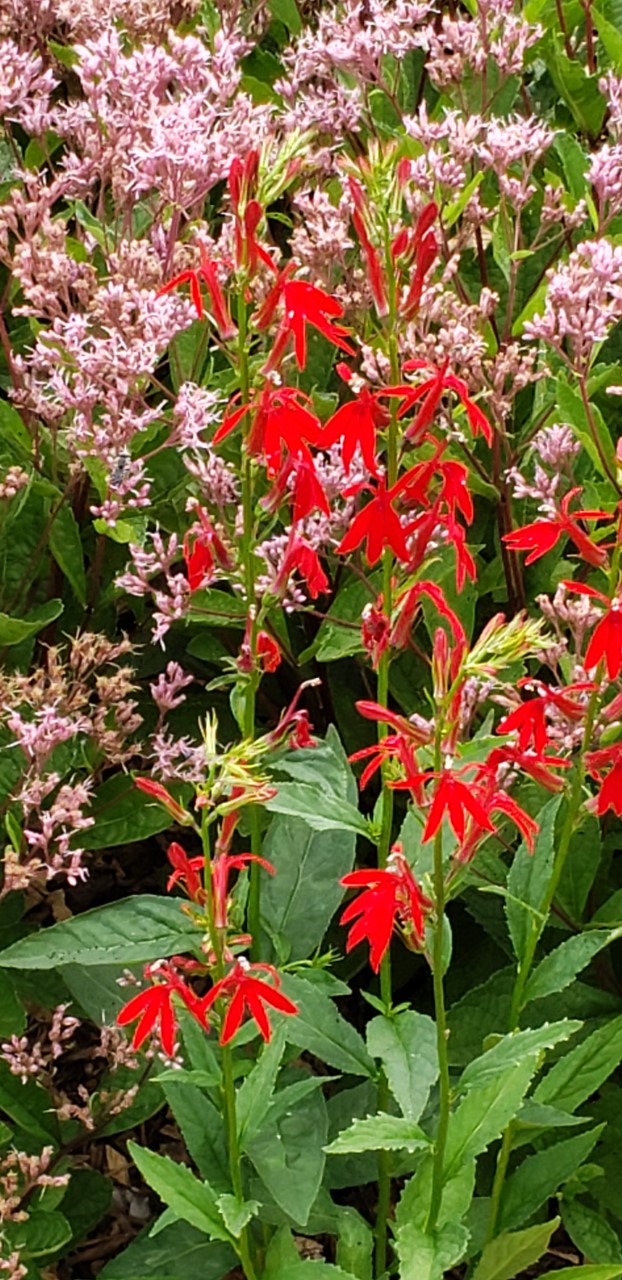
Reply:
x=281, y=1252
x=483, y=1011
x=406, y=1046
x=298, y=903
x=236, y=1214
x=15, y=630
x=571, y=407
x=12, y=1013
x=529, y=878
x=287, y=12
x=611, y=38
x=320, y=1028
x=255, y=1094
x=582, y=1070
x=177, y=1187
x=202, y=1129
x=379, y=1133
x=355, y=1244
x=66, y=547
x=321, y=811
x=214, y=608
x=288, y=1163
x=133, y=931
x=511, y=1252
x=561, y=966
x=179, y=1252
x=541, y=1175
x=308, y=1269
x=40, y=1235
x=589, y=1272
x=28, y=1106
x=485, y=1112
x=86, y=1201
x=591, y=1232
x=339, y=634
x=12, y=428
x=513, y=1048
x=578, y=89
x=424, y=1255
x=123, y=814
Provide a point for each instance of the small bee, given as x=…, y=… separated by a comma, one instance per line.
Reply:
x=120, y=469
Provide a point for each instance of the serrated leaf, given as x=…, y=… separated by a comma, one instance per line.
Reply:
x=513, y=1048
x=202, y=1129
x=590, y=1231
x=589, y=1272
x=255, y=1093
x=406, y=1046
x=179, y=1252
x=236, y=1213
x=510, y=1253
x=484, y=1113
x=185, y=1194
x=557, y=970
x=379, y=1133
x=541, y=1175
x=529, y=878
x=133, y=931
x=289, y=1164
x=583, y=1069
x=320, y=1028
x=355, y=1243
x=40, y=1235
x=321, y=811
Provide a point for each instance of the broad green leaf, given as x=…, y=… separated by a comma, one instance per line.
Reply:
x=611, y=38
x=355, y=1244
x=133, y=931
x=582, y=1070
x=541, y=1175
x=40, y=1235
x=179, y=1252
x=202, y=1129
x=572, y=408
x=298, y=903
x=536, y=1115
x=288, y=1162
x=12, y=1013
x=589, y=1272
x=281, y=1252
x=529, y=878
x=485, y=1112
x=483, y=1011
x=309, y=1269
x=123, y=814
x=12, y=428
x=321, y=811
x=255, y=1094
x=236, y=1213
x=561, y=966
x=287, y=12
x=339, y=635
x=510, y=1253
x=579, y=90
x=86, y=1201
x=214, y=608
x=185, y=1194
x=406, y=1046
x=580, y=867
x=28, y=1106
x=15, y=630
x=379, y=1133
x=513, y=1048
x=66, y=547
x=345, y=1106
x=423, y=1255
x=591, y=1232
x=320, y=1028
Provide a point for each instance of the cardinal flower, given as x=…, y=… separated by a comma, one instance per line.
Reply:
x=529, y=719
x=203, y=549
x=606, y=639
x=543, y=535
x=186, y=871
x=391, y=898
x=279, y=420
x=248, y=993
x=457, y=800
x=150, y=787
x=299, y=480
x=378, y=525
x=221, y=869
x=610, y=794
x=355, y=424
x=208, y=273
x=430, y=393
x=375, y=270
x=301, y=558
x=154, y=1007
x=303, y=304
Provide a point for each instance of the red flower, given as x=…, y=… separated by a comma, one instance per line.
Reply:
x=279, y=419
x=422, y=247
x=529, y=719
x=209, y=274
x=303, y=304
x=268, y=652
x=221, y=868
x=355, y=424
x=457, y=800
x=186, y=870
x=375, y=272
x=378, y=524
x=247, y=993
x=390, y=898
x=538, y=767
x=606, y=640
x=307, y=491
x=543, y=535
x=158, y=792
x=154, y=1007
x=399, y=745
x=430, y=392
x=203, y=551
x=610, y=794
x=300, y=557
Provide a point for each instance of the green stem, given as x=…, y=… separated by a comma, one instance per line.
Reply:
x=439, y=994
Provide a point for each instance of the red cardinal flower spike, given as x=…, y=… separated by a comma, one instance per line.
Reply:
x=208, y=272
x=247, y=993
x=301, y=558
x=375, y=272
x=221, y=870
x=303, y=304
x=430, y=392
x=606, y=640
x=356, y=424
x=391, y=898
x=186, y=871
x=154, y=1007
x=280, y=421
x=543, y=535
x=457, y=800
